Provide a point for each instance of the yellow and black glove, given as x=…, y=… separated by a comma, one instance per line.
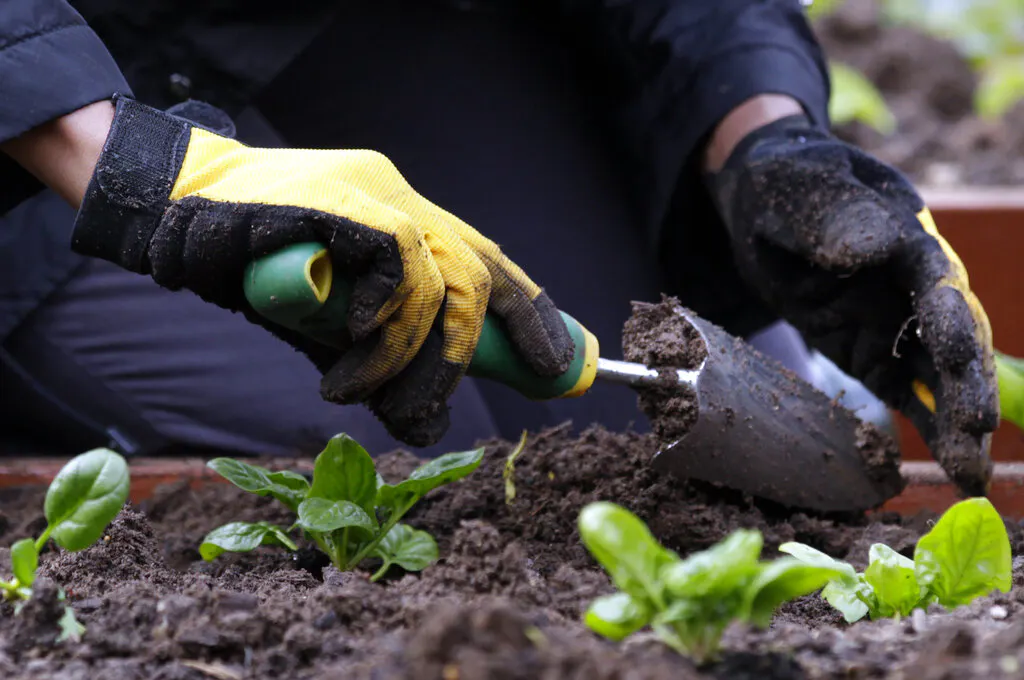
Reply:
x=842, y=246
x=192, y=208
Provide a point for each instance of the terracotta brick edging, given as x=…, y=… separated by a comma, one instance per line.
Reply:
x=928, y=489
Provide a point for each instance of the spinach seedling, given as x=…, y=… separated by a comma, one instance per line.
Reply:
x=965, y=555
x=81, y=501
x=687, y=602
x=348, y=510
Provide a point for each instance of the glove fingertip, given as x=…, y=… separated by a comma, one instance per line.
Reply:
x=541, y=334
x=415, y=429
x=340, y=384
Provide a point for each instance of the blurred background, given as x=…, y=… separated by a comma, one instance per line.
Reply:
x=935, y=87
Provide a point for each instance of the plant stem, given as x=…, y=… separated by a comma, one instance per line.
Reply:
x=380, y=572
x=41, y=541
x=388, y=526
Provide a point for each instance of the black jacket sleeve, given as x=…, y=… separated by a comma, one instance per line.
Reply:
x=676, y=67
x=51, y=63
x=673, y=69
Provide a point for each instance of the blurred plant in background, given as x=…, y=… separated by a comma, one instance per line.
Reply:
x=988, y=33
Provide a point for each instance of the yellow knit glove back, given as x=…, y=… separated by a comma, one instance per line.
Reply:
x=193, y=208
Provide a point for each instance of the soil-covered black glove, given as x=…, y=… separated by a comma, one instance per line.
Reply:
x=192, y=207
x=843, y=247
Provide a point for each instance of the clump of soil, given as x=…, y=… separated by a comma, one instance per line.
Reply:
x=930, y=89
x=503, y=602
x=656, y=335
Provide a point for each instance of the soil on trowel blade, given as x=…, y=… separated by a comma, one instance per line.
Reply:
x=503, y=602
x=657, y=336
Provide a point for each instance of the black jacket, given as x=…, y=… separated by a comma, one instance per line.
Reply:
x=668, y=70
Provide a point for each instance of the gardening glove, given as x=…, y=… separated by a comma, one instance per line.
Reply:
x=192, y=208
x=843, y=247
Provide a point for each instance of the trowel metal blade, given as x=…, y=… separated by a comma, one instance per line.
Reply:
x=764, y=431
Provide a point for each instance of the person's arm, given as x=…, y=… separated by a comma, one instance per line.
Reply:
x=679, y=68
x=62, y=153
x=58, y=82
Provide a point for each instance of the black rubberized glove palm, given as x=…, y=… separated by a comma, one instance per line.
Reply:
x=843, y=247
x=192, y=208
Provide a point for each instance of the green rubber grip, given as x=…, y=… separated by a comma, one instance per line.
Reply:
x=296, y=288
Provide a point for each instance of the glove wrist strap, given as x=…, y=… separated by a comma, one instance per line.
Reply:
x=128, y=192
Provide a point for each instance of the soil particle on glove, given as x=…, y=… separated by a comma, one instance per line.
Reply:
x=659, y=337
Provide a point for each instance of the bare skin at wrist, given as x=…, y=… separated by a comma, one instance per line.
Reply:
x=62, y=153
x=744, y=119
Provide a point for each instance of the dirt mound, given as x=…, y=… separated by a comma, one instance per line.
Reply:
x=504, y=601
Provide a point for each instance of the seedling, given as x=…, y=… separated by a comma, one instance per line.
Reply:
x=348, y=510
x=966, y=555
x=687, y=602
x=509, y=474
x=81, y=501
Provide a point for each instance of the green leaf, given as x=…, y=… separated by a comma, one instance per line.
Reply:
x=1001, y=87
x=840, y=592
x=344, y=471
x=296, y=484
x=285, y=486
x=242, y=537
x=843, y=595
x=855, y=98
x=891, y=576
x=70, y=628
x=442, y=470
x=809, y=555
x=781, y=581
x=321, y=515
x=821, y=8
x=411, y=549
x=719, y=570
x=24, y=561
x=966, y=554
x=616, y=616
x=252, y=478
x=84, y=498
x=1010, y=374
x=624, y=546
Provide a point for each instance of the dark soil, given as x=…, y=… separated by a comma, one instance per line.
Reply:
x=930, y=88
x=658, y=337
x=503, y=602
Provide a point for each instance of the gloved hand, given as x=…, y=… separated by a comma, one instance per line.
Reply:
x=192, y=208
x=843, y=247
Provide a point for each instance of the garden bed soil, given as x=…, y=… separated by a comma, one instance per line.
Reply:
x=929, y=87
x=504, y=601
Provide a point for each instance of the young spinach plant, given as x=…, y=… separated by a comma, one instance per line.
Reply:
x=965, y=555
x=348, y=510
x=83, y=498
x=687, y=602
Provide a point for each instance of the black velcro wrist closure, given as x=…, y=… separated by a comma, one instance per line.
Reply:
x=130, y=188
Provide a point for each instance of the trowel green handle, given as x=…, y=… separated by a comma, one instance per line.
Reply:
x=296, y=288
